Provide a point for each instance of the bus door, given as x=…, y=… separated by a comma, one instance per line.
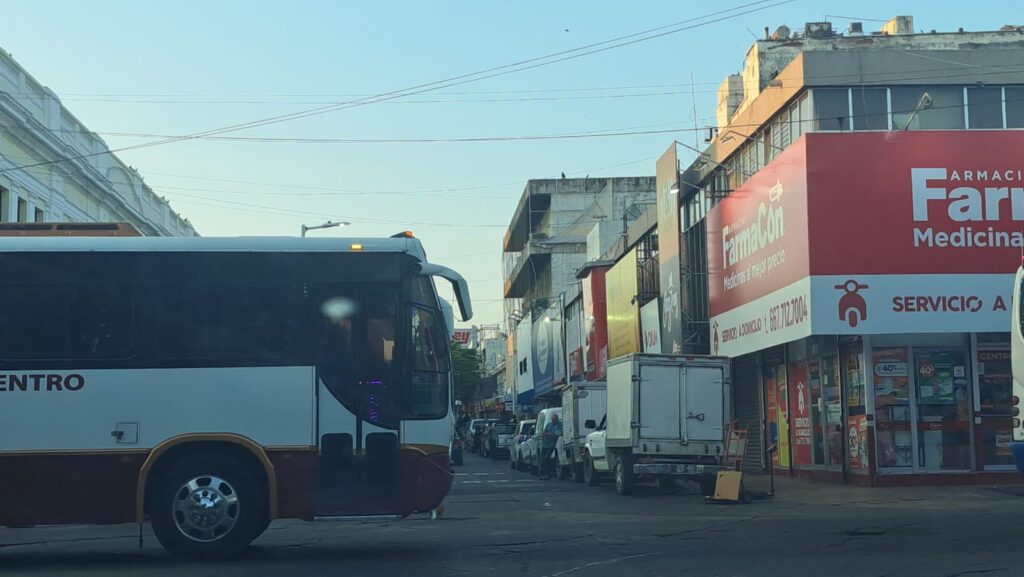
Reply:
x=358, y=469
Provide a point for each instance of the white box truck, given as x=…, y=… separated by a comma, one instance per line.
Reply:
x=667, y=419
x=581, y=402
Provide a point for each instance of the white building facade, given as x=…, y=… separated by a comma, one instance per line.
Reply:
x=53, y=169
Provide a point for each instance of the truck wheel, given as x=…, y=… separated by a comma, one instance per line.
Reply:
x=590, y=476
x=624, y=476
x=707, y=485
x=577, y=472
x=208, y=506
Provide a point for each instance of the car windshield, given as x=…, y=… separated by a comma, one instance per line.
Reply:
x=504, y=429
x=528, y=429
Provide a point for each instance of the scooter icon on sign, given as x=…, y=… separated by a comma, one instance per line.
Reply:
x=852, y=306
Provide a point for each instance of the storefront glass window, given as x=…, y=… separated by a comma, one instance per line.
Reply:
x=942, y=406
x=832, y=412
x=892, y=408
x=995, y=386
x=856, y=420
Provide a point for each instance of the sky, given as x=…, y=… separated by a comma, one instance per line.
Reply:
x=136, y=71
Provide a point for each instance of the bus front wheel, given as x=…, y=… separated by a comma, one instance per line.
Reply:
x=208, y=506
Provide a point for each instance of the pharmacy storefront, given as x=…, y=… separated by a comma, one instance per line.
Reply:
x=869, y=274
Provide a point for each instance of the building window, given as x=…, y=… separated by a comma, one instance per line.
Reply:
x=39, y=216
x=22, y=210
x=5, y=205
x=985, y=107
x=832, y=109
x=870, y=109
x=1014, y=107
x=910, y=109
x=806, y=123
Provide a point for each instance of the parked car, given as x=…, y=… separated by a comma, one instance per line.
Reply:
x=523, y=432
x=500, y=437
x=455, y=450
x=531, y=448
x=595, y=459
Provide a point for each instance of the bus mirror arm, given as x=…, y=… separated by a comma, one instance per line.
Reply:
x=458, y=283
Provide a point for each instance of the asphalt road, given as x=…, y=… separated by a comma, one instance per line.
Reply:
x=500, y=522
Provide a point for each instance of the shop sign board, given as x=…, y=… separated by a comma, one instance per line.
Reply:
x=650, y=327
x=623, y=312
x=595, y=324
x=800, y=410
x=920, y=234
x=667, y=183
x=857, y=441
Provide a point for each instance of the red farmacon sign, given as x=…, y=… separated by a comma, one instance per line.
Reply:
x=873, y=232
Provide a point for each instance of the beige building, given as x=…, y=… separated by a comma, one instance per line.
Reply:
x=52, y=168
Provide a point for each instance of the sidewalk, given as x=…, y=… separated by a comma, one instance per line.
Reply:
x=800, y=491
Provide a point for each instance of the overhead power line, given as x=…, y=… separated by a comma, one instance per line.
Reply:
x=545, y=60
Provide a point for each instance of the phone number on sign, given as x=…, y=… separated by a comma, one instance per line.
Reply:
x=787, y=314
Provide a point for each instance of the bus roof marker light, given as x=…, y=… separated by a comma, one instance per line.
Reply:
x=356, y=246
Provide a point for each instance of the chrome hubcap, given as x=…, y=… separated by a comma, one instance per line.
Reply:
x=205, y=508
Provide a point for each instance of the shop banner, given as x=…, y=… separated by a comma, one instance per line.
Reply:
x=548, y=354
x=782, y=415
x=915, y=202
x=651, y=327
x=779, y=317
x=757, y=236
x=800, y=409
x=595, y=324
x=857, y=441
x=892, y=376
x=524, y=362
x=888, y=304
x=924, y=230
x=667, y=184
x=623, y=325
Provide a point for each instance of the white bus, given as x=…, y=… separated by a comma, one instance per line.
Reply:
x=1017, y=361
x=210, y=385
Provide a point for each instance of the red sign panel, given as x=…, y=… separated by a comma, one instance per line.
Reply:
x=800, y=413
x=757, y=236
x=927, y=202
x=595, y=328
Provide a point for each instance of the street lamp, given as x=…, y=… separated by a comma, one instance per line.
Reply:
x=328, y=224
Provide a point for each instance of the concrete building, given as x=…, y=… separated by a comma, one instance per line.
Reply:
x=546, y=244
x=858, y=212
x=52, y=168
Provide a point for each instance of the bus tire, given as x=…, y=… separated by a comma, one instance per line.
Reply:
x=208, y=506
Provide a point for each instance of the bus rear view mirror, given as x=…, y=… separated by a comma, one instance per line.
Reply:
x=459, y=284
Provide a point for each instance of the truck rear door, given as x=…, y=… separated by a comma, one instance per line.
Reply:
x=659, y=401
x=703, y=405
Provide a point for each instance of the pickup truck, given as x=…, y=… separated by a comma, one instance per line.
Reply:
x=581, y=403
x=666, y=420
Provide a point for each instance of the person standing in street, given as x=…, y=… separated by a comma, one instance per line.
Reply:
x=549, y=440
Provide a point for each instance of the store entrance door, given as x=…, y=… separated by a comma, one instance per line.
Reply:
x=942, y=403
